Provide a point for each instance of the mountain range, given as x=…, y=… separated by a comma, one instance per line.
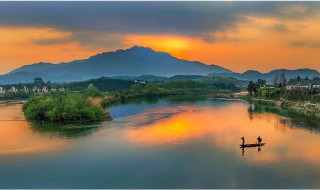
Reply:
x=270, y=76
x=133, y=62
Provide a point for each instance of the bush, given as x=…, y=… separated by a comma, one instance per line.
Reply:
x=63, y=108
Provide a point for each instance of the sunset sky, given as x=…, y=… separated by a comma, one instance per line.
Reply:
x=236, y=35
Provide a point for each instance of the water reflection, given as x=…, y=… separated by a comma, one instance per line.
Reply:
x=292, y=118
x=16, y=138
x=64, y=131
x=259, y=148
x=19, y=136
x=223, y=126
x=163, y=144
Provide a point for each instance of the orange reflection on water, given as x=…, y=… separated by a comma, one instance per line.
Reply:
x=223, y=126
x=17, y=137
x=173, y=130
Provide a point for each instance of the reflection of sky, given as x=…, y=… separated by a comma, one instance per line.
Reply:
x=168, y=144
x=17, y=137
x=142, y=106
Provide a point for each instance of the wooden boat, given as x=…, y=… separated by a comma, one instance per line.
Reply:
x=251, y=145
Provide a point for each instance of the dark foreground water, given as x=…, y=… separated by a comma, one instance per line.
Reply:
x=161, y=144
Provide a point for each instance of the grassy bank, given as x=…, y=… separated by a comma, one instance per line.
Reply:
x=296, y=110
x=306, y=119
x=298, y=105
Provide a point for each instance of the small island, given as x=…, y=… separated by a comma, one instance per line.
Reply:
x=64, y=108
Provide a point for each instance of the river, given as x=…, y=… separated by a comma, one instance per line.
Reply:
x=166, y=143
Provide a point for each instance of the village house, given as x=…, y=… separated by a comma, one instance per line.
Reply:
x=2, y=91
x=6, y=89
x=304, y=85
x=13, y=89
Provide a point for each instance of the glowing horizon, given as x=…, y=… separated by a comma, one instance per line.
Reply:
x=239, y=36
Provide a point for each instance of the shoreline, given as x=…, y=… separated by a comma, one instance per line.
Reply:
x=109, y=102
x=302, y=108
x=11, y=102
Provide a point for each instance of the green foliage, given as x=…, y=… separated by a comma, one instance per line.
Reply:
x=185, y=87
x=136, y=88
x=251, y=87
x=64, y=108
x=151, y=89
x=277, y=92
x=90, y=87
x=261, y=82
x=103, y=84
x=16, y=96
x=185, y=84
x=92, y=91
x=38, y=81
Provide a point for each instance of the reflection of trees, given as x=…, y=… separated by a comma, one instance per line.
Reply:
x=251, y=111
x=186, y=98
x=291, y=118
x=149, y=100
x=69, y=131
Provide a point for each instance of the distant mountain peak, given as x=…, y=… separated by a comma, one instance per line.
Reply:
x=134, y=61
x=136, y=47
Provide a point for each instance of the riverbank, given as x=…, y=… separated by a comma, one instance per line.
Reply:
x=11, y=102
x=285, y=104
x=307, y=110
x=109, y=101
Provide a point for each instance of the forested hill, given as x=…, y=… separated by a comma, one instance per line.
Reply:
x=270, y=76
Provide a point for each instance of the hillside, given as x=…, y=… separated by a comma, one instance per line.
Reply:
x=255, y=75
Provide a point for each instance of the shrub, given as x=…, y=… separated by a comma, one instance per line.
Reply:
x=63, y=108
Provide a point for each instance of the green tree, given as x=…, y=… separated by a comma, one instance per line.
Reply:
x=136, y=88
x=251, y=87
x=261, y=82
x=151, y=88
x=38, y=81
x=63, y=108
x=92, y=90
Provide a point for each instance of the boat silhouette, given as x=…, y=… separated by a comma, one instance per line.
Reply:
x=251, y=145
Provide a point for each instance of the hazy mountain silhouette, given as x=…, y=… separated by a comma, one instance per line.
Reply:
x=134, y=61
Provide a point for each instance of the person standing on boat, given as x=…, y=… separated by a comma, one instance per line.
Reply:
x=259, y=140
x=243, y=141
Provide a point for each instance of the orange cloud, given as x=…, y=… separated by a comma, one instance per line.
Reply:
x=17, y=48
x=262, y=43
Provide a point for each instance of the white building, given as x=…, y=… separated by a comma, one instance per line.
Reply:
x=25, y=89
x=302, y=87
x=13, y=89
x=44, y=90
x=2, y=90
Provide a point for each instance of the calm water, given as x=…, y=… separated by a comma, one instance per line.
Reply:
x=161, y=144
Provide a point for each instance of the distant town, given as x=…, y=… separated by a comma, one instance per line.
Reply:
x=39, y=86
